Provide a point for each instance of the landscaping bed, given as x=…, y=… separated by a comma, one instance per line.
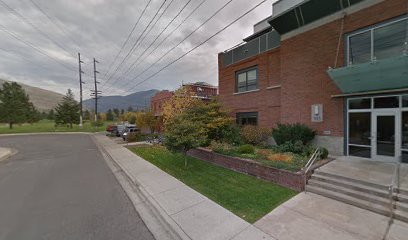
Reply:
x=246, y=196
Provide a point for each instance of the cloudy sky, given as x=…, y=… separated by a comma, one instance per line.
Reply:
x=56, y=30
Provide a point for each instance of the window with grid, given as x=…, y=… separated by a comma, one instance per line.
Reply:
x=247, y=80
x=247, y=118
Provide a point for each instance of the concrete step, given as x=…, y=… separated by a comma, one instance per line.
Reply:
x=403, y=191
x=370, y=206
x=365, y=195
x=351, y=180
x=403, y=207
x=402, y=198
x=350, y=185
x=401, y=215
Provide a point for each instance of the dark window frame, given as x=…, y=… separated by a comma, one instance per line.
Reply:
x=237, y=73
x=246, y=115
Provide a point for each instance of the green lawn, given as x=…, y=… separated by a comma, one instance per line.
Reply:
x=246, y=196
x=47, y=126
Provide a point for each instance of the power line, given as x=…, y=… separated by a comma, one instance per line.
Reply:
x=202, y=43
x=127, y=39
x=134, y=45
x=173, y=31
x=154, y=41
x=25, y=20
x=14, y=35
x=195, y=30
x=55, y=23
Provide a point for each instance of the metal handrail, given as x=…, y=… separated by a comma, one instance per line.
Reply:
x=391, y=189
x=309, y=164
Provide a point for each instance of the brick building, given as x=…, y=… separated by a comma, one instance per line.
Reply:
x=338, y=66
x=201, y=90
x=157, y=101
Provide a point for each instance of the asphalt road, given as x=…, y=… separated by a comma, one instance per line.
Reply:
x=59, y=187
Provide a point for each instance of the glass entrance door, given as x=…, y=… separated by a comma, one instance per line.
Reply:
x=385, y=136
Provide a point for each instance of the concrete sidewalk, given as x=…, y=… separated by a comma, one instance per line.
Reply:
x=309, y=216
x=189, y=214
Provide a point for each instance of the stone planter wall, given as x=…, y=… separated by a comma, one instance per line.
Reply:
x=281, y=177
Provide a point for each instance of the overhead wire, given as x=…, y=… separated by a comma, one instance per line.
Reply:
x=35, y=27
x=199, y=45
x=127, y=38
x=185, y=38
x=131, y=67
x=134, y=45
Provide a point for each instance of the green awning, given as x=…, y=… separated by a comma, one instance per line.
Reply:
x=307, y=12
x=387, y=74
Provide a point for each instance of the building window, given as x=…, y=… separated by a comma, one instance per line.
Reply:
x=379, y=42
x=247, y=118
x=247, y=80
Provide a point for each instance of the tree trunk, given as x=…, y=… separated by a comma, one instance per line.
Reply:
x=70, y=125
x=11, y=125
x=185, y=158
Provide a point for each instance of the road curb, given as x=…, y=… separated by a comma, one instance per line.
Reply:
x=155, y=218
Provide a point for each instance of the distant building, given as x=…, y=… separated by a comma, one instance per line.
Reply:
x=202, y=90
x=158, y=100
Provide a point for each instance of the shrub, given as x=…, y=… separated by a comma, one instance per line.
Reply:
x=220, y=147
x=324, y=153
x=263, y=153
x=246, y=149
x=280, y=157
x=98, y=123
x=297, y=148
x=292, y=133
x=231, y=134
x=255, y=135
x=136, y=137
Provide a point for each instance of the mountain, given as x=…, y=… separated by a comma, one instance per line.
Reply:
x=135, y=100
x=43, y=100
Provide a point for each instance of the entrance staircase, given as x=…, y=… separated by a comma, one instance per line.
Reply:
x=367, y=195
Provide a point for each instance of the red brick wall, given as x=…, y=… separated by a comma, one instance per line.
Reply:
x=305, y=59
x=300, y=66
x=284, y=178
x=265, y=101
x=158, y=100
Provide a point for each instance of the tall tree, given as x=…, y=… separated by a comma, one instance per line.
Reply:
x=87, y=115
x=130, y=109
x=51, y=115
x=109, y=115
x=117, y=112
x=15, y=106
x=122, y=111
x=33, y=115
x=67, y=112
x=146, y=119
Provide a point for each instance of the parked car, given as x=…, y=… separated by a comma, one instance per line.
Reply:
x=119, y=130
x=110, y=127
x=127, y=131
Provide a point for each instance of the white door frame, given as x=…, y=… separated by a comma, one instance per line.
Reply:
x=397, y=134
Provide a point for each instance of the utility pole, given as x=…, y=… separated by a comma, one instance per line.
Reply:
x=95, y=92
x=80, y=90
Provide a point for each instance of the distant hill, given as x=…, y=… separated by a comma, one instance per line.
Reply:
x=135, y=100
x=43, y=100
